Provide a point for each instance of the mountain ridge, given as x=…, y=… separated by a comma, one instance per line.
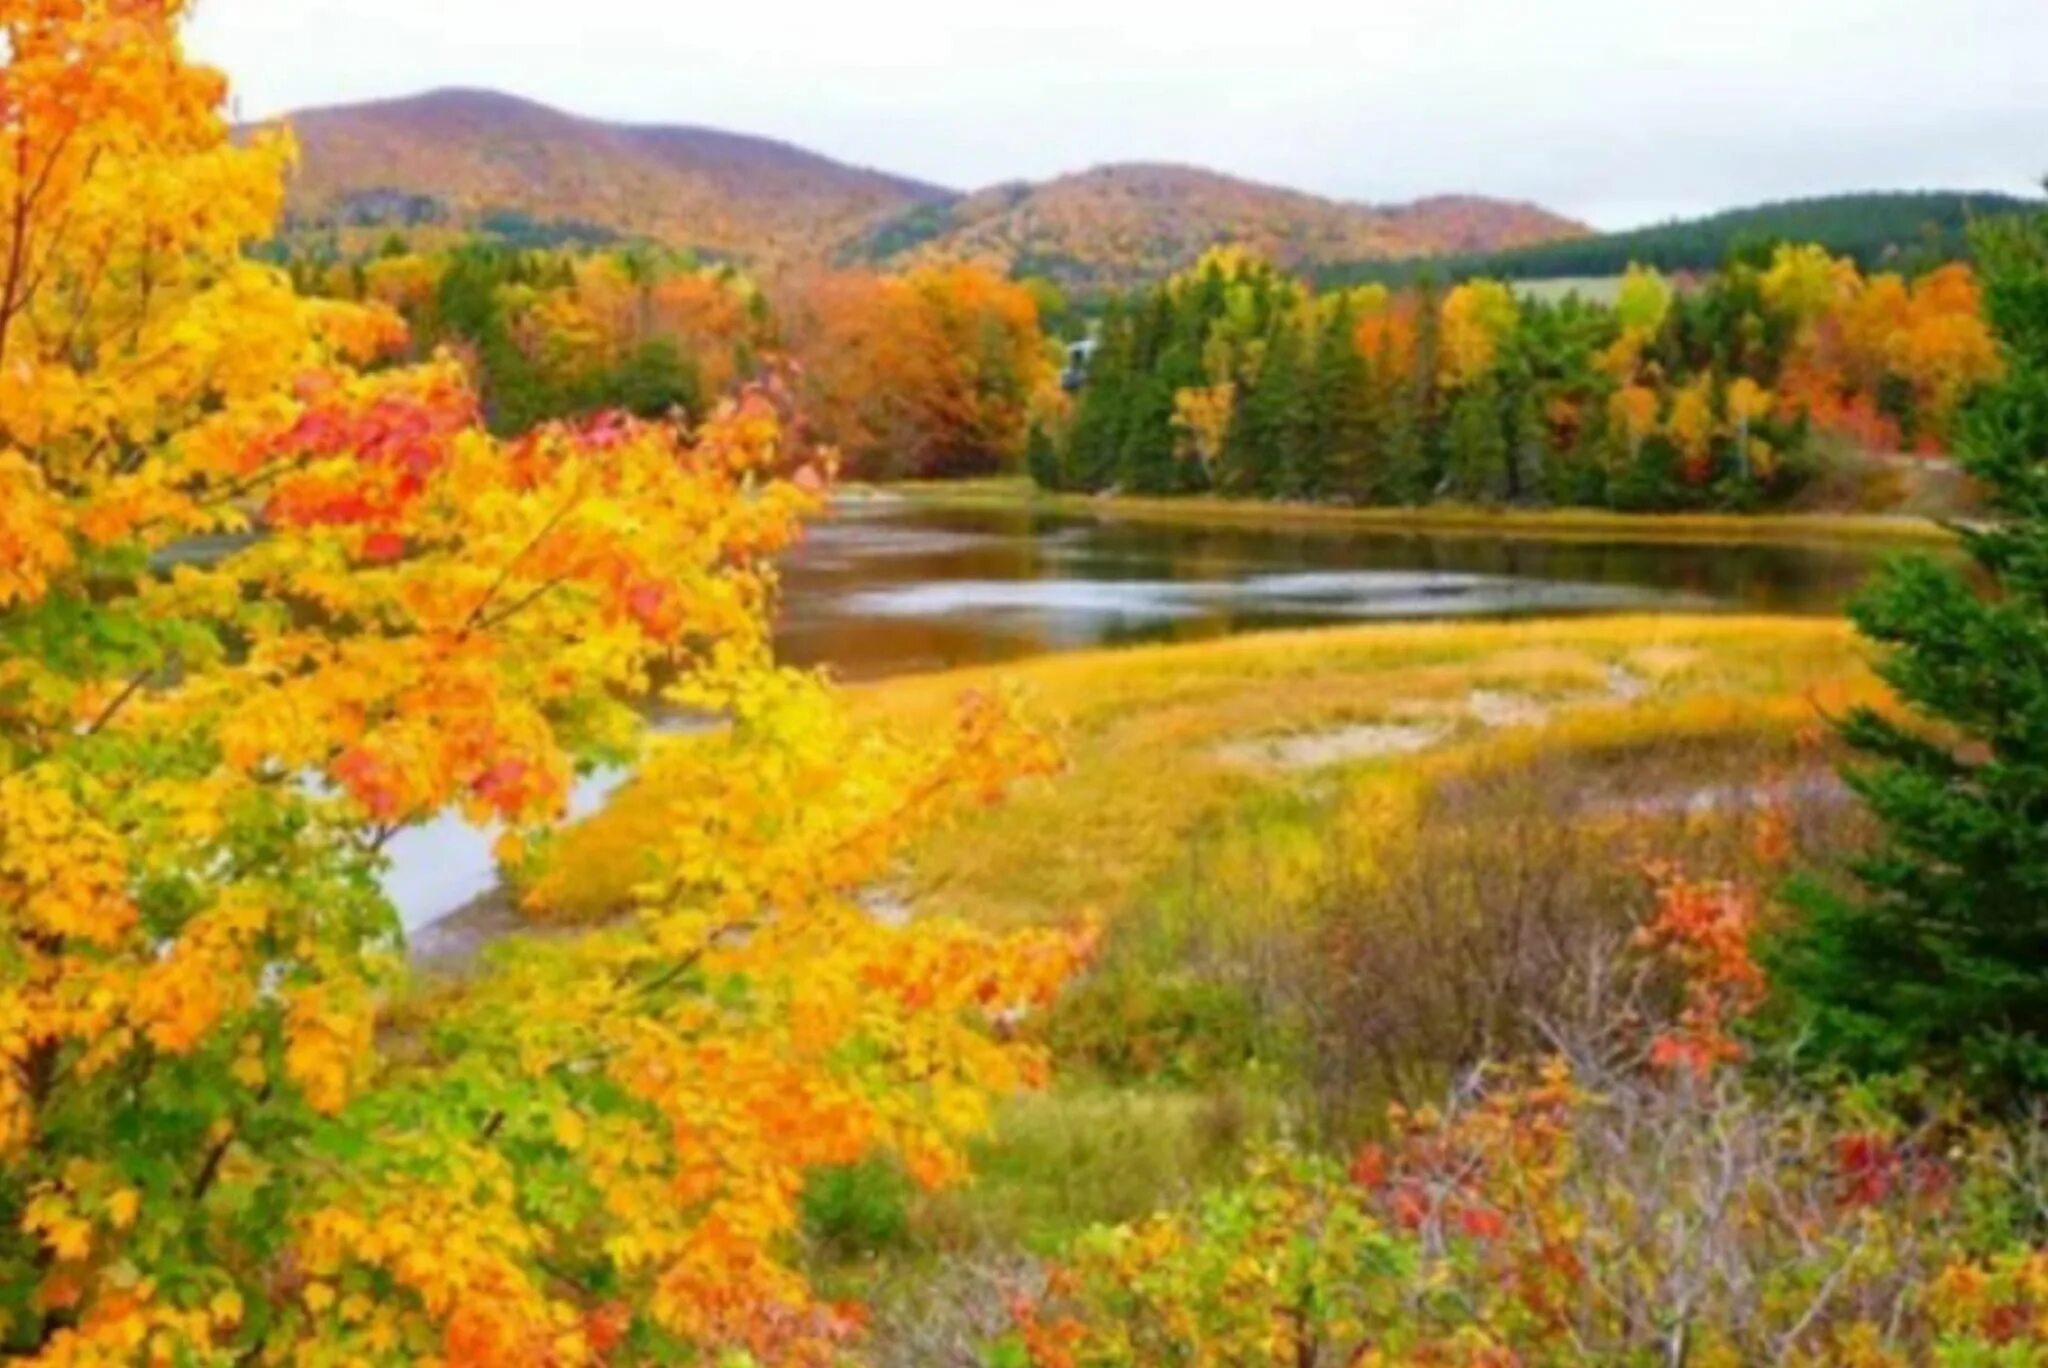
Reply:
x=456, y=154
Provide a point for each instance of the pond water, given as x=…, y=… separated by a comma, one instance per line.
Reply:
x=887, y=586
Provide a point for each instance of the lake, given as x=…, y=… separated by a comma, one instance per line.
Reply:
x=888, y=586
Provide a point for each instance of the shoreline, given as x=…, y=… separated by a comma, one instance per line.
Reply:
x=1553, y=524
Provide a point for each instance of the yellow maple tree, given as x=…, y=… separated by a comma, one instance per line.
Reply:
x=261, y=610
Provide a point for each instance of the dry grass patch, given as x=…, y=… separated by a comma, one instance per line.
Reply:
x=1148, y=732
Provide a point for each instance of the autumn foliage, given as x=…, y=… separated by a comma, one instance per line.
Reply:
x=1735, y=390
x=1630, y=1200
x=260, y=610
x=933, y=373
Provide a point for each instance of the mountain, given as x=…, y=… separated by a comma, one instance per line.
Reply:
x=466, y=157
x=478, y=159
x=1874, y=228
x=1122, y=223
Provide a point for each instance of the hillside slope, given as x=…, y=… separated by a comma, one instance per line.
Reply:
x=1873, y=228
x=458, y=156
x=469, y=158
x=1114, y=225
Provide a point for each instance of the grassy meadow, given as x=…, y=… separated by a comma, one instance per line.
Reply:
x=1329, y=866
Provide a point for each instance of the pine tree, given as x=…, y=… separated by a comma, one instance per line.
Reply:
x=1095, y=443
x=1476, y=459
x=1403, y=475
x=1260, y=452
x=1529, y=455
x=1341, y=414
x=1146, y=462
x=1940, y=956
x=1041, y=458
x=1279, y=417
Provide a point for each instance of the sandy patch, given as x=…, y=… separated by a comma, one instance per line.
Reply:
x=1494, y=709
x=1338, y=746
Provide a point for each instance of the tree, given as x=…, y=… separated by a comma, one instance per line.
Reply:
x=1042, y=458
x=1262, y=453
x=1477, y=454
x=1344, y=426
x=1940, y=956
x=928, y=374
x=214, y=1146
x=1477, y=317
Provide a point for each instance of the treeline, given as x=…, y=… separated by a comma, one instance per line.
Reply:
x=936, y=372
x=1913, y=230
x=1238, y=379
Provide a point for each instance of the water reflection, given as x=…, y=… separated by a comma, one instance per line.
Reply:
x=888, y=587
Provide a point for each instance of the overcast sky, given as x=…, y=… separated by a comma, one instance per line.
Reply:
x=1616, y=111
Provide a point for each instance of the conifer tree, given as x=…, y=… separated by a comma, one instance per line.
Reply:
x=1476, y=445
x=1529, y=453
x=1275, y=425
x=1342, y=417
x=1939, y=958
x=1041, y=458
x=1095, y=444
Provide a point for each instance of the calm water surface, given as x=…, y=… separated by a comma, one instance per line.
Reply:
x=890, y=587
x=886, y=587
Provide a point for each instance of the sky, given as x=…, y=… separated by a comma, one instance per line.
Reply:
x=1617, y=112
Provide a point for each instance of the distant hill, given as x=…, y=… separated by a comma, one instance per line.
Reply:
x=1116, y=225
x=476, y=158
x=470, y=159
x=1873, y=228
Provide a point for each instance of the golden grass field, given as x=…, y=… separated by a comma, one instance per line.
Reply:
x=1210, y=794
x=1164, y=741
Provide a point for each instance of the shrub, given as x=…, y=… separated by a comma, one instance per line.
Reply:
x=1633, y=1200
x=853, y=1210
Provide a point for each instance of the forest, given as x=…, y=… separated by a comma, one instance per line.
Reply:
x=1661, y=986
x=1897, y=230
x=1729, y=393
x=929, y=374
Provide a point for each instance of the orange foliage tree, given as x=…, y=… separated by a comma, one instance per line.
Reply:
x=928, y=374
x=259, y=612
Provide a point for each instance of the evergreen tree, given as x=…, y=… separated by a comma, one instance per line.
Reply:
x=1267, y=432
x=1476, y=446
x=1403, y=475
x=1529, y=447
x=1342, y=420
x=1095, y=443
x=1940, y=957
x=654, y=380
x=1146, y=463
x=1041, y=458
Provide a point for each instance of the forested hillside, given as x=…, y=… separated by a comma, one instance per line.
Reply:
x=1118, y=225
x=477, y=161
x=467, y=159
x=1922, y=227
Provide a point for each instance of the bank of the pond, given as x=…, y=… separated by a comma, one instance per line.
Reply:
x=1165, y=742
x=1555, y=524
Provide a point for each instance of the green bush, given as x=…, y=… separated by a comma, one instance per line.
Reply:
x=859, y=1209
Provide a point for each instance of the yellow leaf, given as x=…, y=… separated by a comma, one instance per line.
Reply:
x=122, y=1206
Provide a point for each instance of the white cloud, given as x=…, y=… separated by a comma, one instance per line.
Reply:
x=1616, y=110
